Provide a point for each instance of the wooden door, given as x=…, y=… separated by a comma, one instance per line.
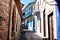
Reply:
x=50, y=27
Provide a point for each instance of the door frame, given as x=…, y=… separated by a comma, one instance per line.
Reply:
x=49, y=27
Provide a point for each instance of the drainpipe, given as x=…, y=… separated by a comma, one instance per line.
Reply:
x=9, y=21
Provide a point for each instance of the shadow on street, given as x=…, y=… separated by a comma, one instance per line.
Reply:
x=28, y=35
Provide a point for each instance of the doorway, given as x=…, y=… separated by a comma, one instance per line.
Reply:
x=12, y=32
x=50, y=27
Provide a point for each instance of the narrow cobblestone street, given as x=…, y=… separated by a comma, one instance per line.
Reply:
x=28, y=35
x=29, y=20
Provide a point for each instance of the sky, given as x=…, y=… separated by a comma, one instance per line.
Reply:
x=25, y=2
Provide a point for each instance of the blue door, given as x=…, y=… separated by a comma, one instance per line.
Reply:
x=30, y=24
x=27, y=24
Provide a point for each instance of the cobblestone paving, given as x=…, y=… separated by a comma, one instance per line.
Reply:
x=28, y=35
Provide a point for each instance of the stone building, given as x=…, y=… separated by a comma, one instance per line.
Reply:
x=46, y=25
x=10, y=19
x=45, y=14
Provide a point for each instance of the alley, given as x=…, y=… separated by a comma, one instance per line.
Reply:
x=28, y=35
x=29, y=20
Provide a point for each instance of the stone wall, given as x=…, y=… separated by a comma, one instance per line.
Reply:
x=4, y=18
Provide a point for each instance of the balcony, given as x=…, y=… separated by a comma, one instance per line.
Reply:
x=27, y=14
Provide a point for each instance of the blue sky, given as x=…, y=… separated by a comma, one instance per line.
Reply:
x=25, y=2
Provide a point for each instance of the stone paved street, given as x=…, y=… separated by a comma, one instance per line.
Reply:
x=28, y=35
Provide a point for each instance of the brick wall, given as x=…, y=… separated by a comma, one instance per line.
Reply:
x=4, y=18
